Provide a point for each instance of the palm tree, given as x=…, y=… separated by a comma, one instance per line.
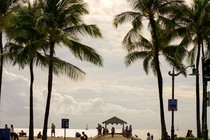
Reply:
x=22, y=49
x=194, y=21
x=61, y=21
x=151, y=10
x=4, y=8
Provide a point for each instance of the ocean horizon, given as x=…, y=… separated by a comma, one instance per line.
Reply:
x=141, y=133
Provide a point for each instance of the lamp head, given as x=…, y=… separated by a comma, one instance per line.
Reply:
x=194, y=71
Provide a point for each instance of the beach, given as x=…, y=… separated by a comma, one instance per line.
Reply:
x=70, y=133
x=53, y=138
x=107, y=137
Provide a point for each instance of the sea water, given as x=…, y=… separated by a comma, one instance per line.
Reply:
x=141, y=133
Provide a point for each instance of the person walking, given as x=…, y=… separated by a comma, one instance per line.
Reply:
x=53, y=130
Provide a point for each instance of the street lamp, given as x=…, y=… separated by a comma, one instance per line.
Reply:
x=206, y=78
x=173, y=102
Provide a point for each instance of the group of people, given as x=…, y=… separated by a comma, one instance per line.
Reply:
x=189, y=133
x=104, y=130
x=127, y=132
x=13, y=135
x=84, y=136
x=149, y=137
x=11, y=127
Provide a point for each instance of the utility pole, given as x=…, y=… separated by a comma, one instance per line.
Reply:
x=173, y=102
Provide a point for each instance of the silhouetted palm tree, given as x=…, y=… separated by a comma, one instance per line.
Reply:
x=61, y=21
x=24, y=46
x=4, y=8
x=194, y=21
x=151, y=10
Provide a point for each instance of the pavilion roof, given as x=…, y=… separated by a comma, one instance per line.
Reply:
x=114, y=120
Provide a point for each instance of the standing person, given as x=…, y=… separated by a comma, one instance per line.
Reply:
x=99, y=128
x=12, y=128
x=130, y=130
x=6, y=127
x=148, y=136
x=113, y=131
x=152, y=137
x=53, y=130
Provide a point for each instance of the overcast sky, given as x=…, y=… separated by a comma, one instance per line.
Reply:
x=111, y=90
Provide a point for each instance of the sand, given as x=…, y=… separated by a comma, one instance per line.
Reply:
x=52, y=138
x=108, y=137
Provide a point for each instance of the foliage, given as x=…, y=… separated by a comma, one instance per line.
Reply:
x=188, y=138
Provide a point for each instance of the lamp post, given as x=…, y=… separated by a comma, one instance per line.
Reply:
x=206, y=78
x=205, y=129
x=173, y=102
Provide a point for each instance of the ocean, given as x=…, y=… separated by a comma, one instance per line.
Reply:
x=141, y=133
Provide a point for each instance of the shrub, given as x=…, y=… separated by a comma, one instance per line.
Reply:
x=184, y=138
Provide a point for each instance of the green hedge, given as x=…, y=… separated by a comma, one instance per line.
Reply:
x=183, y=138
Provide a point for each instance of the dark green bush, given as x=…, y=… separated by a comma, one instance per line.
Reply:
x=183, y=138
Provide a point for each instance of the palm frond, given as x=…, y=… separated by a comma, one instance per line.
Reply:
x=84, y=29
x=84, y=52
x=134, y=56
x=127, y=16
x=146, y=63
x=60, y=67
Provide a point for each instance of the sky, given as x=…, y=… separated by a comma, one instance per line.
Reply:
x=112, y=90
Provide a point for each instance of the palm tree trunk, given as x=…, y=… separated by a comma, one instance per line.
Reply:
x=162, y=116
x=159, y=78
x=1, y=63
x=202, y=117
x=50, y=79
x=31, y=119
x=198, y=94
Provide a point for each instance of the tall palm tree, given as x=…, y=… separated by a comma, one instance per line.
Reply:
x=194, y=21
x=22, y=49
x=4, y=8
x=27, y=47
x=61, y=21
x=151, y=10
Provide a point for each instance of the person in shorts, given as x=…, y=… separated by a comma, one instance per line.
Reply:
x=53, y=130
